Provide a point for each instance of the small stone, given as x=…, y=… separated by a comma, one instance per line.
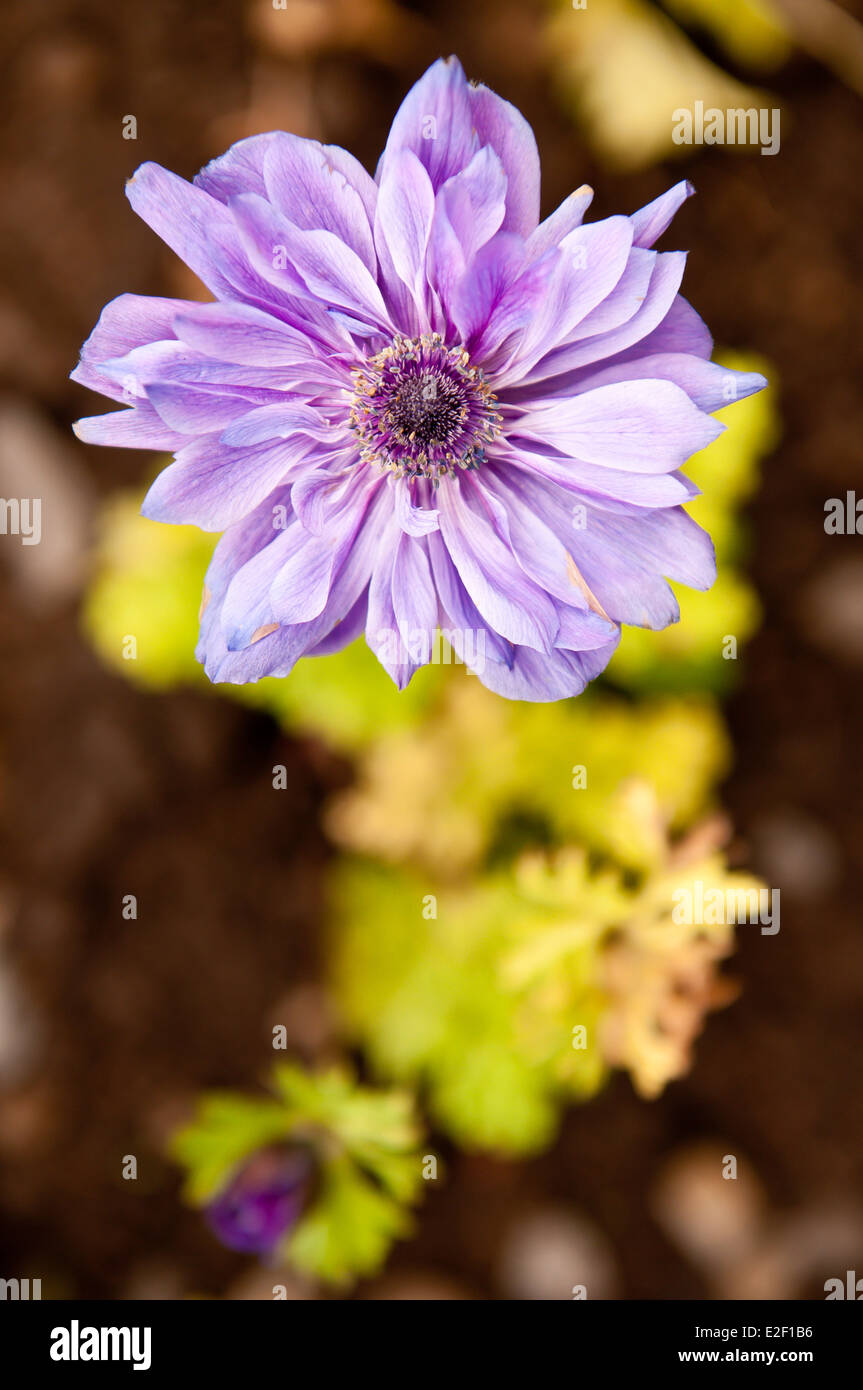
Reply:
x=549, y=1252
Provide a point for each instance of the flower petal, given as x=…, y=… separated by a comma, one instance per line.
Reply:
x=540, y=679
x=501, y=125
x=651, y=221
x=309, y=190
x=601, y=485
x=475, y=201
x=242, y=334
x=138, y=428
x=499, y=295
x=299, y=590
x=211, y=486
x=196, y=409
x=589, y=263
x=643, y=426
x=281, y=420
x=382, y=633
x=299, y=565
x=413, y=519
x=239, y=170
x=126, y=323
x=436, y=122
x=403, y=221
x=199, y=229
x=680, y=330
x=317, y=263
x=461, y=621
x=709, y=385
x=625, y=565
x=568, y=358
x=564, y=219
x=508, y=600
x=415, y=601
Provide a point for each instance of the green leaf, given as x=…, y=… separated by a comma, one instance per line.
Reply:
x=376, y=1129
x=529, y=984
x=349, y=1230
x=488, y=1098
x=227, y=1129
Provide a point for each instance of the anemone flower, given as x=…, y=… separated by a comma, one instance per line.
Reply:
x=413, y=408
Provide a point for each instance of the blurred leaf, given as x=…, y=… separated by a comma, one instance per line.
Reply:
x=148, y=584
x=425, y=998
x=377, y=1129
x=446, y=794
x=477, y=994
x=349, y=1230
x=227, y=1129
x=752, y=32
x=660, y=976
x=346, y=698
x=622, y=68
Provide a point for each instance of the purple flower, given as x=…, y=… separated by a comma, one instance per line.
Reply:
x=261, y=1202
x=412, y=406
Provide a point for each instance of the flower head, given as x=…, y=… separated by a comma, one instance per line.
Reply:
x=412, y=406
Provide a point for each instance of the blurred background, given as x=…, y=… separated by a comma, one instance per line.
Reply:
x=425, y=892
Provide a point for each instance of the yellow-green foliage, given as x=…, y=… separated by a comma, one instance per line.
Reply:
x=506, y=998
x=752, y=32
x=486, y=776
x=427, y=1000
x=147, y=585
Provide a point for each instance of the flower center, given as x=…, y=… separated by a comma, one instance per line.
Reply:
x=422, y=409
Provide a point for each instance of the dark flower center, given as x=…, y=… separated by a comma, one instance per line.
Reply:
x=422, y=409
x=427, y=408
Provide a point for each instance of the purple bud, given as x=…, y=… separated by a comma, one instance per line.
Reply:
x=262, y=1201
